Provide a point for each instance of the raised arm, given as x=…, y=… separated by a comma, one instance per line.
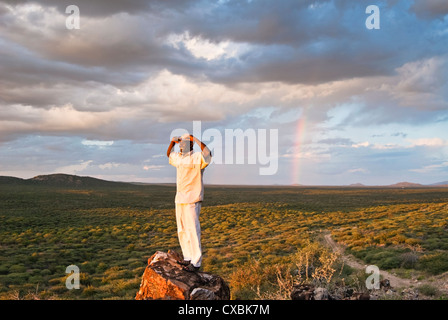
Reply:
x=205, y=150
x=171, y=146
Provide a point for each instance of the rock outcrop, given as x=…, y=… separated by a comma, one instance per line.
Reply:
x=302, y=292
x=164, y=279
x=309, y=292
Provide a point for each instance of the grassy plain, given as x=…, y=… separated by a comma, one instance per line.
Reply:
x=110, y=232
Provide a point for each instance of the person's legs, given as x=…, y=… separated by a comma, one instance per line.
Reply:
x=189, y=231
x=181, y=231
x=194, y=233
x=191, y=235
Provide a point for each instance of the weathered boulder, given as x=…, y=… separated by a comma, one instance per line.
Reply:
x=410, y=294
x=310, y=292
x=360, y=296
x=164, y=279
x=385, y=284
x=321, y=294
x=302, y=292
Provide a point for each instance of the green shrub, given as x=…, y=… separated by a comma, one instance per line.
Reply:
x=428, y=290
x=35, y=279
x=17, y=268
x=45, y=272
x=89, y=291
x=436, y=263
x=389, y=263
x=384, y=258
x=4, y=269
x=16, y=278
x=408, y=260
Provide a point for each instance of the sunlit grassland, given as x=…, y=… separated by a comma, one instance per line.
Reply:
x=109, y=233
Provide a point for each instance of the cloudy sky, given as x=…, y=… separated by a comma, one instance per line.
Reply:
x=349, y=104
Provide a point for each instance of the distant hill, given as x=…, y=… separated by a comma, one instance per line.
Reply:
x=73, y=181
x=444, y=183
x=12, y=180
x=356, y=185
x=406, y=185
x=62, y=180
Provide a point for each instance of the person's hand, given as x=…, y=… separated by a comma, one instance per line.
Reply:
x=175, y=139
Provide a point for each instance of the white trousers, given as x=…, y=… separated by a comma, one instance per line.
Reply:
x=189, y=231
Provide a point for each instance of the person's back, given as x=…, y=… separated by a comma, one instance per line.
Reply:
x=189, y=181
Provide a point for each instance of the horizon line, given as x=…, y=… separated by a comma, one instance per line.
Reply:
x=352, y=185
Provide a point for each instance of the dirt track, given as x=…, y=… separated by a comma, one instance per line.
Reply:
x=395, y=281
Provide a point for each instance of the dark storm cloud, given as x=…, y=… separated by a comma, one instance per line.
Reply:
x=107, y=7
x=260, y=22
x=310, y=42
x=117, y=43
x=291, y=41
x=430, y=9
x=294, y=41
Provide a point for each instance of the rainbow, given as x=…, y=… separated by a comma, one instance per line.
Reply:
x=299, y=138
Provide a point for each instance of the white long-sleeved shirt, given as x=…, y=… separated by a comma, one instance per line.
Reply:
x=190, y=169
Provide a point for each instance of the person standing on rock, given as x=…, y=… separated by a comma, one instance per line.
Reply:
x=189, y=195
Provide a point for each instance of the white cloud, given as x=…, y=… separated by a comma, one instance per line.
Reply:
x=74, y=168
x=358, y=170
x=152, y=167
x=431, y=168
x=428, y=142
x=109, y=165
x=97, y=143
x=203, y=48
x=386, y=146
x=361, y=144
